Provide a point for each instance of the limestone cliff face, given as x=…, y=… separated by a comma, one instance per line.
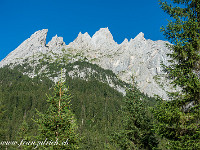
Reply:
x=138, y=57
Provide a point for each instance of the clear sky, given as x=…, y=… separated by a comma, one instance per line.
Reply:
x=19, y=19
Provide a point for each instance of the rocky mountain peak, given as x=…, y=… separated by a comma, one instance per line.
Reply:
x=56, y=42
x=86, y=35
x=36, y=43
x=138, y=44
x=38, y=38
x=139, y=37
x=125, y=41
x=83, y=41
x=101, y=40
x=102, y=35
x=82, y=37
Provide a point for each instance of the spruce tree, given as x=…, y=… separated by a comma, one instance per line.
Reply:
x=178, y=119
x=58, y=124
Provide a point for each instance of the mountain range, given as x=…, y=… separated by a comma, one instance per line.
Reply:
x=137, y=57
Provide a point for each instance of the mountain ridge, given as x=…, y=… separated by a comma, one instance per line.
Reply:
x=138, y=57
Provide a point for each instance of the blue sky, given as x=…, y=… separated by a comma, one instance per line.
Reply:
x=124, y=18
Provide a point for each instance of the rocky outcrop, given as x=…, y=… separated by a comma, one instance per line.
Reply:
x=83, y=41
x=138, y=57
x=36, y=43
x=56, y=44
x=102, y=41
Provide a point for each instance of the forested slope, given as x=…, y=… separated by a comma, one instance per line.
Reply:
x=97, y=106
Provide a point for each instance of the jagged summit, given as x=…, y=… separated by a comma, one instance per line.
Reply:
x=125, y=42
x=83, y=41
x=39, y=37
x=138, y=57
x=138, y=38
x=56, y=42
x=140, y=35
x=36, y=43
x=86, y=35
x=103, y=33
x=101, y=40
x=82, y=37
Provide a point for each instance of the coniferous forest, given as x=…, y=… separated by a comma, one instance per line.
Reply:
x=74, y=113
x=97, y=109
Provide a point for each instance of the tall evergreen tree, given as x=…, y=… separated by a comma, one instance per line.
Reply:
x=59, y=124
x=178, y=119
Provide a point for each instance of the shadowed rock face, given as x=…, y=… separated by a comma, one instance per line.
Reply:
x=138, y=57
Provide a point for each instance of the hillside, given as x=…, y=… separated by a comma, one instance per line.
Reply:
x=97, y=72
x=95, y=104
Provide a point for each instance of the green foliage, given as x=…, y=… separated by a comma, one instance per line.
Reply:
x=2, y=122
x=177, y=126
x=58, y=123
x=20, y=96
x=137, y=130
x=178, y=119
x=24, y=136
x=23, y=130
x=96, y=105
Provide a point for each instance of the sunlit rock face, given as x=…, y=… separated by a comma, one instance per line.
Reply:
x=36, y=43
x=138, y=57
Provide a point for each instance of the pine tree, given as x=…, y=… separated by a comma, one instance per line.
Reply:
x=178, y=119
x=137, y=130
x=59, y=124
